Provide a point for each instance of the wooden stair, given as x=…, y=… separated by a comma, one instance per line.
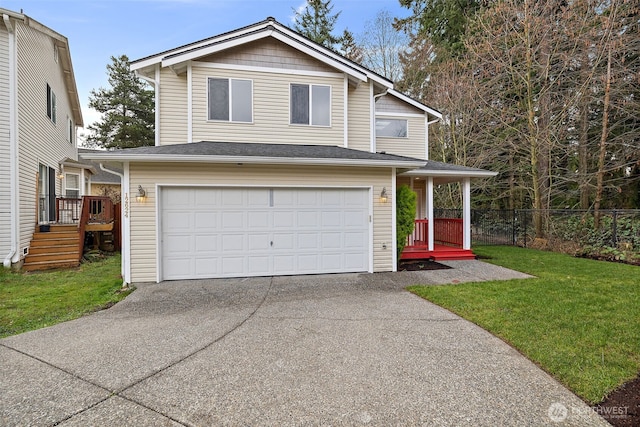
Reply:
x=57, y=248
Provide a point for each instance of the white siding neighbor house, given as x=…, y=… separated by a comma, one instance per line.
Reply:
x=273, y=156
x=39, y=115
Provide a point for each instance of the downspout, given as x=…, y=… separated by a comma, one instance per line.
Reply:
x=373, y=117
x=426, y=134
x=122, y=183
x=14, y=213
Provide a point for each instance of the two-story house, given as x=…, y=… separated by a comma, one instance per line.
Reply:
x=273, y=156
x=39, y=116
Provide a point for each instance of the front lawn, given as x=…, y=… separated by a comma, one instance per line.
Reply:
x=34, y=300
x=579, y=319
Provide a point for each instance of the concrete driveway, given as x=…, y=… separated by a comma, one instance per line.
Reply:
x=352, y=349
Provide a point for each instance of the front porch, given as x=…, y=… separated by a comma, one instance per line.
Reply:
x=447, y=241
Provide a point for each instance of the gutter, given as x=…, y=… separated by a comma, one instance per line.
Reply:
x=13, y=146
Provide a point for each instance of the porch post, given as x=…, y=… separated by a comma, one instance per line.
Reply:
x=430, y=213
x=466, y=214
x=126, y=225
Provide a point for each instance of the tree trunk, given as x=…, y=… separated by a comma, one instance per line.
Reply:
x=603, y=143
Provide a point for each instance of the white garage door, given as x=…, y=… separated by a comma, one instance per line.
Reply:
x=234, y=232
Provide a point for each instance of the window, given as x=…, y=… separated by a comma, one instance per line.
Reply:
x=72, y=185
x=55, y=53
x=310, y=105
x=230, y=100
x=70, y=130
x=51, y=104
x=391, y=128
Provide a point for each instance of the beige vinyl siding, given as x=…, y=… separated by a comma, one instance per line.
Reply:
x=270, y=110
x=5, y=178
x=40, y=140
x=268, y=53
x=359, y=117
x=391, y=104
x=173, y=107
x=143, y=214
x=413, y=146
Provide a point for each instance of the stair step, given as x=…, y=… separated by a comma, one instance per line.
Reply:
x=48, y=249
x=54, y=242
x=49, y=265
x=52, y=256
x=62, y=227
x=55, y=235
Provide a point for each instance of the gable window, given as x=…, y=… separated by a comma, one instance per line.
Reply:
x=51, y=104
x=310, y=105
x=392, y=128
x=230, y=100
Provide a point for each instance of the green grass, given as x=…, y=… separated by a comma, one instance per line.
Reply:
x=579, y=319
x=31, y=301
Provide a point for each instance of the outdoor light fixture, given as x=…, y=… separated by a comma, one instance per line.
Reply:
x=142, y=195
x=383, y=195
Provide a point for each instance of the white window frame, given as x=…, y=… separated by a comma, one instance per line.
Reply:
x=310, y=106
x=70, y=130
x=51, y=104
x=395, y=119
x=66, y=185
x=230, y=106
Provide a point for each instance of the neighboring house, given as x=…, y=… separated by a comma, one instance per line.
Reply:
x=39, y=115
x=275, y=156
x=102, y=183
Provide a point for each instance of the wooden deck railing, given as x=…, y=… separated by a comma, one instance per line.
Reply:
x=446, y=231
x=68, y=210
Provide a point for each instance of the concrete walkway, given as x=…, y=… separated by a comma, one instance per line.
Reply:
x=349, y=349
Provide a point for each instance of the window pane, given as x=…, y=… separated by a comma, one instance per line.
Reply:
x=218, y=99
x=321, y=107
x=300, y=104
x=241, y=102
x=392, y=128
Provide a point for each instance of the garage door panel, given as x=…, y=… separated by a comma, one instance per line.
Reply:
x=234, y=232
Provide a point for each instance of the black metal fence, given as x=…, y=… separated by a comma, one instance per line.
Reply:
x=619, y=228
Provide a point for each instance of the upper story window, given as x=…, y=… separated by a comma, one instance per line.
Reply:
x=51, y=104
x=230, y=100
x=310, y=105
x=392, y=128
x=70, y=130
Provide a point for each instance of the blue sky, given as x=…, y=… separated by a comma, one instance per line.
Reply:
x=98, y=29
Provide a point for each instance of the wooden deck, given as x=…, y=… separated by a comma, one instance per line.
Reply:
x=419, y=250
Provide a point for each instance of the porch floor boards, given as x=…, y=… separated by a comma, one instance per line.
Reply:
x=420, y=250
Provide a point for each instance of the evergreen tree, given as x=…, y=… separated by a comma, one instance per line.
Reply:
x=316, y=22
x=127, y=110
x=349, y=48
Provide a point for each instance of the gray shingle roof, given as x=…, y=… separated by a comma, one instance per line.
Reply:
x=100, y=177
x=237, y=149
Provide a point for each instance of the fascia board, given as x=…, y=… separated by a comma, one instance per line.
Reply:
x=415, y=103
x=172, y=158
x=461, y=174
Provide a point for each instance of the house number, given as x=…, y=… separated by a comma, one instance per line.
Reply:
x=126, y=205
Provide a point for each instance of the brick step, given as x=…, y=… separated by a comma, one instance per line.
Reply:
x=50, y=265
x=52, y=256
x=41, y=248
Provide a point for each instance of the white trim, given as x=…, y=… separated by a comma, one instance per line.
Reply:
x=388, y=114
x=189, y=103
x=157, y=102
x=236, y=67
x=394, y=226
x=430, y=219
x=345, y=119
x=252, y=160
x=458, y=174
x=415, y=103
x=427, y=124
x=126, y=224
x=466, y=214
x=372, y=120
x=14, y=177
x=230, y=88
x=159, y=186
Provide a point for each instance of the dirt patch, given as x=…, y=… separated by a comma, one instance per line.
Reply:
x=421, y=265
x=622, y=407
